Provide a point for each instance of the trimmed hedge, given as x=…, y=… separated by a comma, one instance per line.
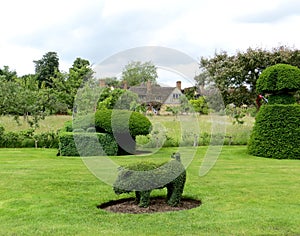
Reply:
x=87, y=144
x=142, y=177
x=280, y=78
x=276, y=132
x=124, y=125
x=122, y=121
x=27, y=139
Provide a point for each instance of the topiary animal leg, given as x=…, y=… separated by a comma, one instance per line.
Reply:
x=137, y=196
x=145, y=198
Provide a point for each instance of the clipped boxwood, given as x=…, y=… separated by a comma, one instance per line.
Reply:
x=276, y=132
x=124, y=125
x=279, y=78
x=122, y=121
x=88, y=144
x=142, y=177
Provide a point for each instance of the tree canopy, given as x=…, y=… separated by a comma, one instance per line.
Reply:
x=239, y=72
x=137, y=72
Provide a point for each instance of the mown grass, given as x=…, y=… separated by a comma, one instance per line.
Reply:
x=41, y=194
x=50, y=123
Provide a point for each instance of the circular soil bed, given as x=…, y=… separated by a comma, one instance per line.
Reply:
x=157, y=204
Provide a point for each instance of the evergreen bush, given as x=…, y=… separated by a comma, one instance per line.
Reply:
x=278, y=79
x=124, y=125
x=143, y=177
x=87, y=144
x=122, y=121
x=276, y=132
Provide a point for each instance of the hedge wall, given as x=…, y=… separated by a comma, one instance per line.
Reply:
x=27, y=139
x=88, y=144
x=276, y=132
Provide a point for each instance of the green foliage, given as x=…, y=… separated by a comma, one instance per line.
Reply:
x=142, y=177
x=46, y=69
x=7, y=75
x=234, y=71
x=281, y=99
x=116, y=99
x=27, y=138
x=124, y=125
x=279, y=78
x=276, y=132
x=137, y=72
x=86, y=98
x=122, y=121
x=199, y=105
x=86, y=144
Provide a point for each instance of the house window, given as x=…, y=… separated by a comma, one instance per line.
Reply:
x=176, y=95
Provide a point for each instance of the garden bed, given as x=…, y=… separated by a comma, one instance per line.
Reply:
x=157, y=204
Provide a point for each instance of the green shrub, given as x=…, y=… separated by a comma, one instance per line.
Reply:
x=280, y=78
x=142, y=177
x=11, y=140
x=46, y=139
x=27, y=139
x=124, y=125
x=122, y=121
x=276, y=132
x=281, y=99
x=87, y=144
x=91, y=130
x=1, y=130
x=68, y=126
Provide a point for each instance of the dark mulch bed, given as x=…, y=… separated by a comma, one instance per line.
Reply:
x=157, y=204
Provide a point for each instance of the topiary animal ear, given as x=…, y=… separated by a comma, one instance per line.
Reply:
x=177, y=156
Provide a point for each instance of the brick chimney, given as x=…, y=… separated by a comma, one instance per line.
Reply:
x=178, y=85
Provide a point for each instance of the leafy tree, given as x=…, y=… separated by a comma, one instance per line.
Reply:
x=7, y=75
x=86, y=99
x=116, y=99
x=18, y=100
x=137, y=72
x=185, y=106
x=46, y=69
x=79, y=73
x=112, y=82
x=230, y=72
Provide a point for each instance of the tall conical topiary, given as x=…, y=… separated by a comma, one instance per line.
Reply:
x=276, y=132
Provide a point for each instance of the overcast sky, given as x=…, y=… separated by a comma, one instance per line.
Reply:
x=99, y=29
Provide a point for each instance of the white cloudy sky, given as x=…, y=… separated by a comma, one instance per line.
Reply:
x=97, y=29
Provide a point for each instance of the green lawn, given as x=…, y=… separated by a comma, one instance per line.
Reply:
x=50, y=123
x=41, y=194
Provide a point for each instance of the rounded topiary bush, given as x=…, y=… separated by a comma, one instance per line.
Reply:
x=122, y=121
x=276, y=131
x=124, y=125
x=280, y=81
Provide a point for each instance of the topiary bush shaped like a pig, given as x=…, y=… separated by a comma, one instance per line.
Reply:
x=143, y=177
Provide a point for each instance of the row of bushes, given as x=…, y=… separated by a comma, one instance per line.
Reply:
x=28, y=139
x=205, y=139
